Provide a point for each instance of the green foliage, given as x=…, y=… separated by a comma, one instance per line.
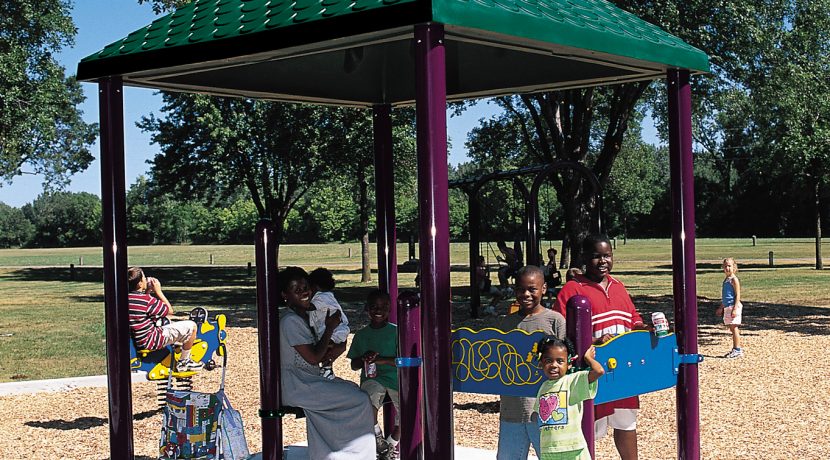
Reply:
x=211, y=147
x=63, y=219
x=639, y=177
x=15, y=228
x=41, y=130
x=237, y=222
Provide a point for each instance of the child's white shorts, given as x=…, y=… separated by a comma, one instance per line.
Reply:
x=377, y=393
x=727, y=315
x=621, y=419
x=177, y=331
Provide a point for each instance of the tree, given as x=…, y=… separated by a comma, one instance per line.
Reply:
x=211, y=145
x=41, y=130
x=351, y=151
x=15, y=228
x=635, y=183
x=589, y=125
x=65, y=219
x=791, y=126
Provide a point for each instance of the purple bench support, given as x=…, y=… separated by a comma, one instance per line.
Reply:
x=116, y=302
x=410, y=377
x=579, y=330
x=683, y=260
x=433, y=213
x=268, y=327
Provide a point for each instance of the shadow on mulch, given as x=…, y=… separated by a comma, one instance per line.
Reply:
x=490, y=407
x=757, y=317
x=84, y=423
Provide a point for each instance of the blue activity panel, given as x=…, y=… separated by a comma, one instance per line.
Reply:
x=491, y=361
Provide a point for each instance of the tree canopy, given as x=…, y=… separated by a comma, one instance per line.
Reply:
x=41, y=129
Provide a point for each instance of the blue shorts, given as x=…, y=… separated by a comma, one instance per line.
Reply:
x=515, y=440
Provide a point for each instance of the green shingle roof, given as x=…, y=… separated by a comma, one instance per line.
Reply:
x=494, y=47
x=211, y=20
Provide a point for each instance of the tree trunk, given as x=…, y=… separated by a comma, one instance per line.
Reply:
x=819, y=263
x=363, y=204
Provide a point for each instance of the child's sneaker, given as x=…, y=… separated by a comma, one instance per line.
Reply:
x=735, y=353
x=327, y=372
x=382, y=446
x=391, y=454
x=184, y=365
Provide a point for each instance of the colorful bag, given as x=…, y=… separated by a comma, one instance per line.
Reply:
x=232, y=443
x=189, y=425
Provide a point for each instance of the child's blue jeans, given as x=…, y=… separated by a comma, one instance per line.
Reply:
x=515, y=440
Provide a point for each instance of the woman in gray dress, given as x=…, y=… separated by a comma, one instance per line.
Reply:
x=338, y=413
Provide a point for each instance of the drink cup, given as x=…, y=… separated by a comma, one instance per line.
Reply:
x=661, y=324
x=371, y=370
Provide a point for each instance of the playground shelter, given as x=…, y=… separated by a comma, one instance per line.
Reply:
x=378, y=54
x=530, y=220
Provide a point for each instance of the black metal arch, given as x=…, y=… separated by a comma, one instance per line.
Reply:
x=531, y=218
x=533, y=256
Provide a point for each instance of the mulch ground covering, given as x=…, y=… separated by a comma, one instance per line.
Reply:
x=770, y=404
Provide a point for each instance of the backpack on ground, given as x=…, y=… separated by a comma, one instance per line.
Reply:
x=201, y=426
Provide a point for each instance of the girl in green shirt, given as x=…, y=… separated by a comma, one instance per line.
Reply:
x=559, y=400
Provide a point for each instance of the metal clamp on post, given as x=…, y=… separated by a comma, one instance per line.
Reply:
x=678, y=359
x=270, y=413
x=408, y=362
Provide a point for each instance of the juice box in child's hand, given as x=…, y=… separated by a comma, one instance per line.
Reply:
x=371, y=370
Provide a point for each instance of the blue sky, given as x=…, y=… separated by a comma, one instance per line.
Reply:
x=101, y=22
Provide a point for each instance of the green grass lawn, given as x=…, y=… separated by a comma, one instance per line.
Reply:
x=52, y=325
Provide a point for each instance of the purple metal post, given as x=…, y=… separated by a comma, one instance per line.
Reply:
x=268, y=325
x=683, y=260
x=581, y=334
x=385, y=204
x=433, y=213
x=116, y=301
x=385, y=222
x=409, y=342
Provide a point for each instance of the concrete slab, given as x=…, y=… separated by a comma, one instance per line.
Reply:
x=299, y=452
x=56, y=385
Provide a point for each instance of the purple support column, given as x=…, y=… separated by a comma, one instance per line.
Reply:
x=433, y=212
x=683, y=260
x=268, y=325
x=116, y=303
x=385, y=204
x=581, y=334
x=409, y=377
x=385, y=222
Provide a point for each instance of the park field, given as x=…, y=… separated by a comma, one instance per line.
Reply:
x=51, y=318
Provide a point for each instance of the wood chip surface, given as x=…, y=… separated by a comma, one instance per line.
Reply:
x=770, y=404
